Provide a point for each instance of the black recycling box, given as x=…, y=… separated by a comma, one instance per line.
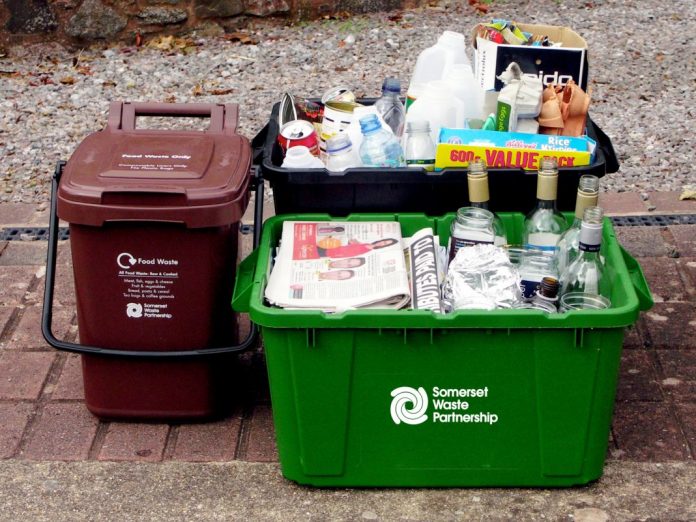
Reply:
x=405, y=189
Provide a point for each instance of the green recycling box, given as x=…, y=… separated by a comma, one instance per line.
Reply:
x=414, y=398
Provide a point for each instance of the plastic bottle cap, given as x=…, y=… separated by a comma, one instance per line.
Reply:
x=337, y=143
x=391, y=85
x=369, y=123
x=418, y=126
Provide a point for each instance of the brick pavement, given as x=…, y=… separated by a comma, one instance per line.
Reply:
x=43, y=417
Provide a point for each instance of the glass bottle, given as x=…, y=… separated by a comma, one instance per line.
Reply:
x=547, y=295
x=534, y=267
x=545, y=224
x=586, y=272
x=380, y=148
x=390, y=107
x=420, y=149
x=477, y=179
x=472, y=226
x=588, y=194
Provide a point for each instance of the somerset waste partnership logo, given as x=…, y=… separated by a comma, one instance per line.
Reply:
x=409, y=405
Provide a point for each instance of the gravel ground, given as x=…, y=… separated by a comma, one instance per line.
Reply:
x=642, y=69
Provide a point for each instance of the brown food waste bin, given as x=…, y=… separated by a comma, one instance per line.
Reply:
x=154, y=220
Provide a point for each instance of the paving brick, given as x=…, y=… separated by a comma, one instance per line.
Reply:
x=13, y=421
x=261, y=445
x=209, y=442
x=679, y=373
x=648, y=431
x=24, y=253
x=686, y=412
x=70, y=384
x=669, y=203
x=64, y=431
x=134, y=442
x=622, y=203
x=664, y=279
x=685, y=239
x=27, y=334
x=671, y=326
x=22, y=374
x=16, y=213
x=63, y=291
x=14, y=282
x=638, y=380
x=643, y=241
x=5, y=314
x=687, y=266
x=633, y=338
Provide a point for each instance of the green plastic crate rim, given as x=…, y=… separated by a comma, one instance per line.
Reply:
x=629, y=290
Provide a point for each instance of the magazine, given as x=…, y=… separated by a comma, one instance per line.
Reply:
x=335, y=266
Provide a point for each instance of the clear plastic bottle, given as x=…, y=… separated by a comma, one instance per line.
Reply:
x=588, y=194
x=341, y=153
x=586, y=272
x=477, y=179
x=390, y=106
x=380, y=148
x=545, y=224
x=420, y=149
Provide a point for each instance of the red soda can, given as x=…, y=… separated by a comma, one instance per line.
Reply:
x=299, y=132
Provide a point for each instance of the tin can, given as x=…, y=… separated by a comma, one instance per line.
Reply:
x=338, y=94
x=299, y=132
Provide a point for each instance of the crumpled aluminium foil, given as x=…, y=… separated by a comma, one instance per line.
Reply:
x=481, y=277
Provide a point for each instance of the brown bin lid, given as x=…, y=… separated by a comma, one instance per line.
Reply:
x=198, y=178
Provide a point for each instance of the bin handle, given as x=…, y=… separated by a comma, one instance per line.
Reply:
x=47, y=313
x=640, y=284
x=122, y=115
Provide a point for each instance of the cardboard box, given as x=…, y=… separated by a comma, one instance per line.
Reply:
x=552, y=64
x=458, y=147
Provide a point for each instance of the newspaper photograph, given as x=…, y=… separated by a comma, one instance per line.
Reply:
x=335, y=266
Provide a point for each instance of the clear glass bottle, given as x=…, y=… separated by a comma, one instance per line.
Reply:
x=588, y=195
x=545, y=224
x=341, y=154
x=380, y=148
x=390, y=107
x=420, y=149
x=586, y=272
x=472, y=226
x=534, y=267
x=479, y=196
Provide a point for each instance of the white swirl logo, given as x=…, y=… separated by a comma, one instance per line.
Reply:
x=134, y=310
x=419, y=405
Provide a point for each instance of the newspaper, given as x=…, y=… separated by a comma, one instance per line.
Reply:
x=423, y=259
x=335, y=266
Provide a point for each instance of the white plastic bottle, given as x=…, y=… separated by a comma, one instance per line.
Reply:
x=435, y=61
x=420, y=149
x=439, y=106
x=341, y=154
x=460, y=79
x=299, y=157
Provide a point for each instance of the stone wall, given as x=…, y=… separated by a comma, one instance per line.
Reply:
x=83, y=21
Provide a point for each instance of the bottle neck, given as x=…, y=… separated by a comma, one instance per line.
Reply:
x=584, y=200
x=478, y=190
x=590, y=240
x=480, y=204
x=549, y=204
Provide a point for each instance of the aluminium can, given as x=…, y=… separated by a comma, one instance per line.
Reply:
x=299, y=132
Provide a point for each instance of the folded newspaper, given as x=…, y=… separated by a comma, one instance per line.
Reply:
x=335, y=266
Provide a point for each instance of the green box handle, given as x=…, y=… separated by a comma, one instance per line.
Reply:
x=640, y=284
x=244, y=281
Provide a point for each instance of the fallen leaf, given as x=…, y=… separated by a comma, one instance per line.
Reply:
x=197, y=90
x=659, y=56
x=109, y=83
x=67, y=80
x=170, y=99
x=688, y=193
x=243, y=38
x=138, y=39
x=84, y=70
x=220, y=92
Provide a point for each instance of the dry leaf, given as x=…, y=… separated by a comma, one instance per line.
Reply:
x=84, y=69
x=243, y=38
x=170, y=99
x=197, y=90
x=220, y=92
x=67, y=80
x=109, y=83
x=688, y=193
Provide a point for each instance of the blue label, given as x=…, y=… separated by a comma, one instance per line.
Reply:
x=529, y=288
